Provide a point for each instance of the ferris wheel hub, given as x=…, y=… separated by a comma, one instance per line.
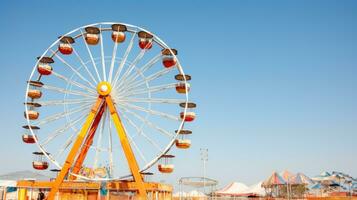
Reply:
x=104, y=88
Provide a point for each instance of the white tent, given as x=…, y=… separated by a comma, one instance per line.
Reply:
x=7, y=183
x=232, y=189
x=254, y=190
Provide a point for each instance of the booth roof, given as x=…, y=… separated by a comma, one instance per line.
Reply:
x=234, y=188
x=274, y=179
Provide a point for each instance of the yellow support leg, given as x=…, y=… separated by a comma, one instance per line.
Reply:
x=76, y=146
x=133, y=165
x=22, y=194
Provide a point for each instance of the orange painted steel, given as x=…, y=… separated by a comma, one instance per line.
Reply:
x=86, y=134
x=87, y=143
x=111, y=185
x=76, y=146
x=133, y=165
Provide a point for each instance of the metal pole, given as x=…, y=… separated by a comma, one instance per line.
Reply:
x=204, y=158
x=180, y=194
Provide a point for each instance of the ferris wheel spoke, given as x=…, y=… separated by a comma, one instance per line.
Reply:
x=91, y=56
x=147, y=79
x=150, y=124
x=73, y=69
x=98, y=148
x=141, y=132
x=65, y=91
x=63, y=114
x=85, y=66
x=123, y=61
x=90, y=90
x=131, y=67
x=66, y=102
x=151, y=100
x=131, y=139
x=150, y=111
x=152, y=89
x=140, y=71
x=114, y=54
x=110, y=146
x=102, y=55
x=61, y=130
x=66, y=144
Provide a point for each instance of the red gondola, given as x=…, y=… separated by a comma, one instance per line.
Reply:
x=34, y=91
x=190, y=115
x=28, y=137
x=44, y=67
x=65, y=46
x=39, y=162
x=168, y=57
x=145, y=40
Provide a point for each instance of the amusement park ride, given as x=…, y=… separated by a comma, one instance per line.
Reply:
x=74, y=99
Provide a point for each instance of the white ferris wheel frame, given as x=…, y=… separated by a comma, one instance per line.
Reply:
x=132, y=29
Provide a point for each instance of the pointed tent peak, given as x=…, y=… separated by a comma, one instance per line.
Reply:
x=286, y=175
x=301, y=178
x=325, y=174
x=274, y=179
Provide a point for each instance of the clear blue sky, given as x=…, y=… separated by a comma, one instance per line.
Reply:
x=275, y=81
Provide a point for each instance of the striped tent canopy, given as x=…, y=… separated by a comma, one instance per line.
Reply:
x=274, y=179
x=301, y=179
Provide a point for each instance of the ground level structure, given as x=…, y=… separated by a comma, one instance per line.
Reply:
x=73, y=190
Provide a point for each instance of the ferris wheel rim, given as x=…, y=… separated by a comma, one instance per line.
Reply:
x=158, y=41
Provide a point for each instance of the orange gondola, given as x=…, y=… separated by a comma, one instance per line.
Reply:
x=182, y=87
x=118, y=34
x=182, y=142
x=65, y=46
x=34, y=91
x=32, y=113
x=92, y=35
x=165, y=165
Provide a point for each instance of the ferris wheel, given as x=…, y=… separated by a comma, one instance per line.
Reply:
x=100, y=82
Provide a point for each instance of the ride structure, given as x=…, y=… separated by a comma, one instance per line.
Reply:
x=72, y=108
